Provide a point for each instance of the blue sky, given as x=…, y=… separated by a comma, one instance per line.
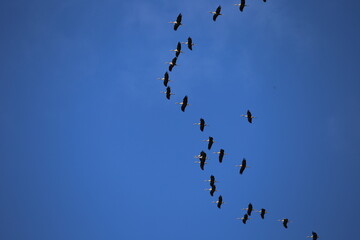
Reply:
x=90, y=148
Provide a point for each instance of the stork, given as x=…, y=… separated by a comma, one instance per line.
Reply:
x=248, y=116
x=262, y=213
x=168, y=93
x=211, y=180
x=177, y=50
x=216, y=13
x=172, y=63
x=314, y=236
x=219, y=202
x=165, y=79
x=221, y=154
x=212, y=189
x=242, y=166
x=211, y=141
x=245, y=218
x=184, y=103
x=249, y=209
x=285, y=221
x=202, y=157
x=242, y=5
x=201, y=124
x=177, y=23
x=189, y=43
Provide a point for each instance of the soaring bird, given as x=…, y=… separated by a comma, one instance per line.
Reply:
x=165, y=79
x=245, y=218
x=284, y=221
x=212, y=180
x=248, y=116
x=249, y=209
x=177, y=23
x=172, y=63
x=242, y=166
x=210, y=142
x=212, y=189
x=202, y=157
x=189, y=43
x=314, y=236
x=168, y=93
x=221, y=154
x=201, y=124
x=184, y=103
x=219, y=202
x=262, y=213
x=177, y=50
x=242, y=5
x=216, y=13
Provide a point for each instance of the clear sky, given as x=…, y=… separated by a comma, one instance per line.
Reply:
x=90, y=148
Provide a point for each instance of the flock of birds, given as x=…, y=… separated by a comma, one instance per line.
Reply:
x=202, y=157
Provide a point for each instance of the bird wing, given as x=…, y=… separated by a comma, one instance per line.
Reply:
x=174, y=60
x=178, y=46
x=218, y=10
x=214, y=17
x=176, y=26
x=179, y=18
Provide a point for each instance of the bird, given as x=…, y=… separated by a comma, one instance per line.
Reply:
x=177, y=23
x=212, y=189
x=284, y=221
x=314, y=236
x=249, y=209
x=172, y=63
x=264, y=0
x=177, y=50
x=212, y=180
x=189, y=43
x=242, y=166
x=168, y=92
x=262, y=213
x=216, y=13
x=248, y=116
x=221, y=154
x=184, y=103
x=219, y=202
x=165, y=79
x=202, y=157
x=211, y=141
x=201, y=124
x=245, y=218
x=242, y=5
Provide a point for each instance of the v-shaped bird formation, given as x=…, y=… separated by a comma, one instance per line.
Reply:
x=202, y=157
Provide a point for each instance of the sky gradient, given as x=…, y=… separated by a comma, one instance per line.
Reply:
x=91, y=149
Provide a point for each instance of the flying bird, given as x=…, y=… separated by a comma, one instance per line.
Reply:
x=219, y=202
x=216, y=13
x=221, y=154
x=184, y=103
x=212, y=189
x=201, y=124
x=172, y=63
x=262, y=213
x=211, y=180
x=242, y=5
x=284, y=221
x=248, y=116
x=189, y=43
x=177, y=23
x=210, y=142
x=202, y=157
x=165, y=79
x=314, y=236
x=242, y=166
x=177, y=50
x=245, y=218
x=249, y=209
x=168, y=92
